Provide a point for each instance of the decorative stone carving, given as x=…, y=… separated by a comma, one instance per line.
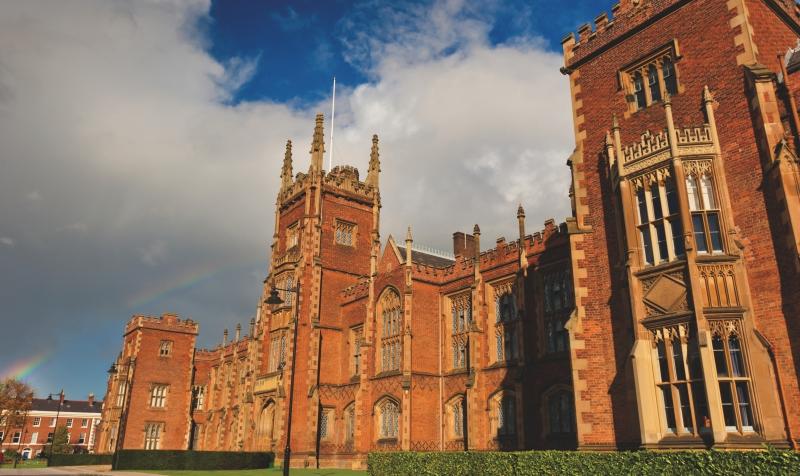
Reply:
x=725, y=327
x=697, y=168
x=665, y=294
x=504, y=287
x=694, y=135
x=669, y=333
x=649, y=144
x=655, y=176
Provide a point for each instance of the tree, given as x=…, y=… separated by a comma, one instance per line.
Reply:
x=16, y=397
x=60, y=442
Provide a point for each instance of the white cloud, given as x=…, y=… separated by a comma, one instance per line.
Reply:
x=7, y=241
x=120, y=115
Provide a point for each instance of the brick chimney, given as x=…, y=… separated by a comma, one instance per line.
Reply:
x=463, y=244
x=90, y=399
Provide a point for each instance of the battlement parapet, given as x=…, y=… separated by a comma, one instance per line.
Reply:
x=506, y=251
x=167, y=322
x=626, y=16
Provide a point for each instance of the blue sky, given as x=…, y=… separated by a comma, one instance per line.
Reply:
x=299, y=45
x=142, y=144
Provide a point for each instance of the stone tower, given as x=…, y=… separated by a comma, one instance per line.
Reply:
x=326, y=238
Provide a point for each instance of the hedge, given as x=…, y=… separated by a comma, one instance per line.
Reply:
x=535, y=463
x=168, y=459
x=78, y=459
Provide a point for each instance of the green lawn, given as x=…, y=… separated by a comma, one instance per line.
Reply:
x=265, y=472
x=25, y=464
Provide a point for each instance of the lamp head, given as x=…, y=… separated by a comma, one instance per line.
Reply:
x=273, y=297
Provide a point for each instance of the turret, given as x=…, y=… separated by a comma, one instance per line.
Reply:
x=286, y=170
x=523, y=260
x=317, y=146
x=374, y=164
x=409, y=242
x=476, y=232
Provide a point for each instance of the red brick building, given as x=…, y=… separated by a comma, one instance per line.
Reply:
x=686, y=227
x=31, y=435
x=663, y=313
x=398, y=347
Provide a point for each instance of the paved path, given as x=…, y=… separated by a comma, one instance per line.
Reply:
x=72, y=471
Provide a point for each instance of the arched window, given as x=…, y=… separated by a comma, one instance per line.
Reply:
x=558, y=298
x=388, y=419
x=350, y=423
x=505, y=322
x=507, y=416
x=503, y=414
x=266, y=425
x=391, y=325
x=457, y=410
x=560, y=412
x=461, y=310
x=652, y=81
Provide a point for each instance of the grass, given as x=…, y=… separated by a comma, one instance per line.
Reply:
x=265, y=472
x=24, y=464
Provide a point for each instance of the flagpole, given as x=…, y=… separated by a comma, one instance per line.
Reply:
x=333, y=116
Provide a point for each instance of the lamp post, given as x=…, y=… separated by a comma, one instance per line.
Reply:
x=275, y=299
x=61, y=402
x=18, y=456
x=123, y=415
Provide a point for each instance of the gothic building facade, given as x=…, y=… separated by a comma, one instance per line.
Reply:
x=686, y=227
x=665, y=313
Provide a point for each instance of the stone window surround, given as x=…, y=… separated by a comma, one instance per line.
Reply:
x=460, y=305
x=504, y=343
x=625, y=76
x=345, y=233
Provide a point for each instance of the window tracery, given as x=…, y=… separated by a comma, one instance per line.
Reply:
x=648, y=80
x=558, y=303
x=704, y=207
x=388, y=419
x=505, y=322
x=560, y=412
x=391, y=328
x=679, y=378
x=461, y=314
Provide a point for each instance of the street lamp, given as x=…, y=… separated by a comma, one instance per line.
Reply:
x=275, y=300
x=123, y=415
x=61, y=403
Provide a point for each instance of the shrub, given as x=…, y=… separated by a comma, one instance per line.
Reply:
x=208, y=460
x=84, y=459
x=535, y=463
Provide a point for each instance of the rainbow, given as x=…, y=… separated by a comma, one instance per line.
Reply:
x=24, y=367
x=158, y=289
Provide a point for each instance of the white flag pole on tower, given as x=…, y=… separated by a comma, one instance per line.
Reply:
x=333, y=116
